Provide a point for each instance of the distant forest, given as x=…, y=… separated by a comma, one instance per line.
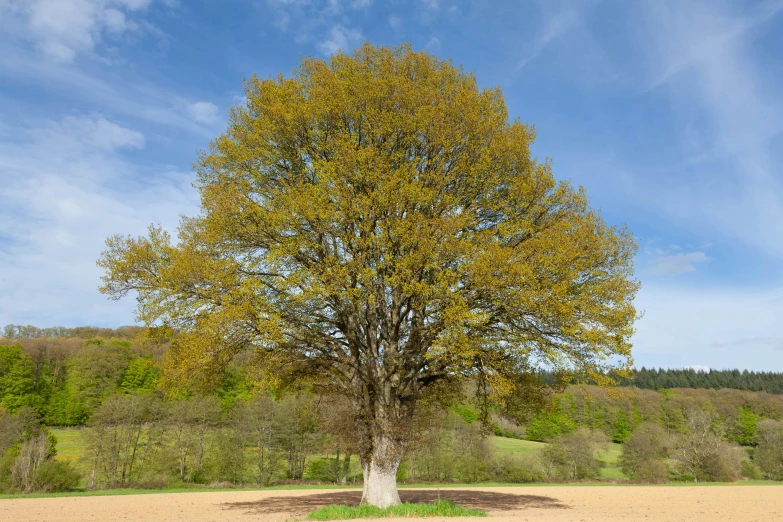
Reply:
x=665, y=379
x=644, y=378
x=652, y=379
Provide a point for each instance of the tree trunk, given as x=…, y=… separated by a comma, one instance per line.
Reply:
x=380, y=474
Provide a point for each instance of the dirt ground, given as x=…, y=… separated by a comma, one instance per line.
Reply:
x=584, y=504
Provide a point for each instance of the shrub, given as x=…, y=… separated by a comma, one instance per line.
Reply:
x=723, y=465
x=55, y=476
x=159, y=482
x=517, y=469
x=769, y=453
x=643, y=454
x=323, y=470
x=572, y=456
x=472, y=467
x=652, y=472
x=749, y=470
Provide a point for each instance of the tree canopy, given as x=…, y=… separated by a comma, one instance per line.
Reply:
x=376, y=224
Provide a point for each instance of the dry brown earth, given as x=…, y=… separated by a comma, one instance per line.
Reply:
x=563, y=503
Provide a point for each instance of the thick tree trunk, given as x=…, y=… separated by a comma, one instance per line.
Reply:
x=381, y=486
x=380, y=475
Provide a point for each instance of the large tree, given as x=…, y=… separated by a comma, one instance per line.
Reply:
x=376, y=224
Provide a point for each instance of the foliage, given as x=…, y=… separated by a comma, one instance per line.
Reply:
x=27, y=452
x=450, y=450
x=17, y=383
x=645, y=452
x=377, y=227
x=573, y=456
x=517, y=469
x=769, y=453
x=745, y=431
x=439, y=508
x=56, y=476
x=550, y=422
x=125, y=429
x=701, y=451
x=141, y=376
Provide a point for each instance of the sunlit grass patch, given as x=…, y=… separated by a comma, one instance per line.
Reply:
x=439, y=508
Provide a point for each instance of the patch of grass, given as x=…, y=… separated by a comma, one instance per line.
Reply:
x=611, y=470
x=439, y=508
x=516, y=446
x=70, y=445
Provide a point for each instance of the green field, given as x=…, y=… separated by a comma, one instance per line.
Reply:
x=70, y=446
x=516, y=446
x=609, y=458
x=611, y=470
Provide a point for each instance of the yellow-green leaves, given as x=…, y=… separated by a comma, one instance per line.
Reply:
x=376, y=222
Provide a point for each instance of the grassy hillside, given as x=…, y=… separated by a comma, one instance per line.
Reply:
x=516, y=446
x=609, y=458
x=611, y=470
x=70, y=445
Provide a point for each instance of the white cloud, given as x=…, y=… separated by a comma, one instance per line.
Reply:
x=98, y=133
x=395, y=22
x=67, y=186
x=433, y=44
x=677, y=263
x=115, y=20
x=360, y=4
x=340, y=39
x=63, y=29
x=698, y=368
x=203, y=112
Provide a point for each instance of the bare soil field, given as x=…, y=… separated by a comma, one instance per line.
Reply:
x=561, y=503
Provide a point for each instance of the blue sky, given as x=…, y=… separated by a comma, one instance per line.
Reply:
x=669, y=113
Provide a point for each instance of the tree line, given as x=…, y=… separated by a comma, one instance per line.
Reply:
x=661, y=379
x=657, y=379
x=18, y=331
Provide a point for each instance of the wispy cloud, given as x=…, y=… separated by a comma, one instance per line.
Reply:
x=61, y=204
x=340, y=38
x=700, y=57
x=63, y=29
x=395, y=22
x=69, y=83
x=676, y=263
x=326, y=23
x=203, y=112
x=555, y=26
